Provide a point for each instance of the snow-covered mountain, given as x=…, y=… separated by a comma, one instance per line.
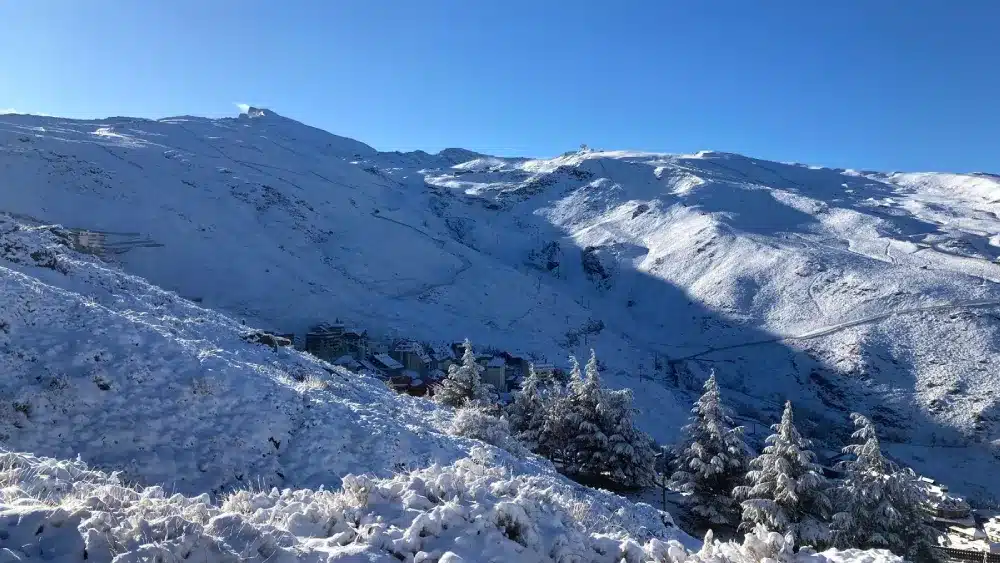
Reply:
x=839, y=289
x=175, y=437
x=102, y=368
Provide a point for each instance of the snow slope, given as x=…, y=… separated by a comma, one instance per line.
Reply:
x=211, y=439
x=839, y=289
x=101, y=366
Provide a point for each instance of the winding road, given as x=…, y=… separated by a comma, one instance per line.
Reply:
x=830, y=329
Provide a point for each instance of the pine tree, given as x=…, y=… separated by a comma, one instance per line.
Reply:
x=884, y=506
x=557, y=432
x=712, y=460
x=629, y=457
x=530, y=407
x=464, y=382
x=786, y=491
x=588, y=442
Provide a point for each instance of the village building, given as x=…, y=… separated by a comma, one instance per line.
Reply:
x=388, y=366
x=545, y=370
x=413, y=356
x=496, y=374
x=517, y=361
x=356, y=343
x=444, y=357
x=331, y=341
x=325, y=341
x=399, y=383
x=90, y=242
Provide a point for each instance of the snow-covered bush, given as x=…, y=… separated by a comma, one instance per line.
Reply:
x=476, y=509
x=472, y=510
x=474, y=421
x=762, y=546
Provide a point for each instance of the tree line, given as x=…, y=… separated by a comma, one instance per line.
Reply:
x=588, y=432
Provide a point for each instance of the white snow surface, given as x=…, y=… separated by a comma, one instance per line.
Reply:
x=838, y=289
x=473, y=510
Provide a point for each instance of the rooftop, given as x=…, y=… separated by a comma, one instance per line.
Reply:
x=413, y=348
x=387, y=361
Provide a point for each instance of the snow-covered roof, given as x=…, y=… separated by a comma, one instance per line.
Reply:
x=344, y=360
x=388, y=361
x=443, y=353
x=413, y=348
x=496, y=362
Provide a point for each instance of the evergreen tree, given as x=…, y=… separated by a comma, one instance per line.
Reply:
x=589, y=430
x=883, y=504
x=629, y=457
x=588, y=442
x=464, y=382
x=786, y=491
x=557, y=432
x=712, y=460
x=528, y=412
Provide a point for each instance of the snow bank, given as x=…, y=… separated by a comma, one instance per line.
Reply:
x=472, y=510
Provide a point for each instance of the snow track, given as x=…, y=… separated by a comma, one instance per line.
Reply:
x=830, y=329
x=442, y=244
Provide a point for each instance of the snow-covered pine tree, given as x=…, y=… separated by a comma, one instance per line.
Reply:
x=464, y=382
x=786, y=490
x=587, y=441
x=712, y=460
x=554, y=442
x=530, y=407
x=883, y=506
x=629, y=457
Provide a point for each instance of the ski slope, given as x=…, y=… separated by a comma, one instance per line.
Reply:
x=854, y=289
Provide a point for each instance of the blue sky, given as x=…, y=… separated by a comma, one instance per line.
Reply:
x=884, y=84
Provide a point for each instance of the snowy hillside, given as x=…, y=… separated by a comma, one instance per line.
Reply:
x=841, y=290
x=101, y=365
x=211, y=438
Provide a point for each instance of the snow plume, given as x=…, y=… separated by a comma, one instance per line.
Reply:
x=472, y=510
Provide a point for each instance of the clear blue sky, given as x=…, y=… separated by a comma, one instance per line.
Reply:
x=886, y=84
